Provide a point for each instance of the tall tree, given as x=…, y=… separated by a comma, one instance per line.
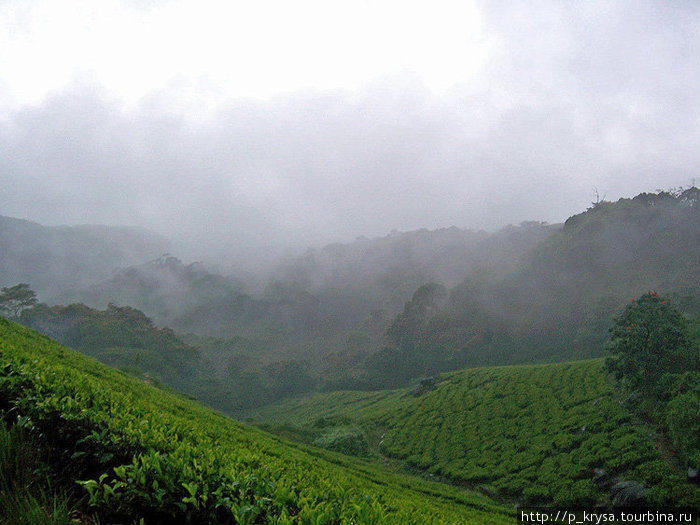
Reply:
x=16, y=298
x=649, y=339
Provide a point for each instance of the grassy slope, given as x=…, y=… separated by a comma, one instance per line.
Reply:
x=145, y=452
x=530, y=433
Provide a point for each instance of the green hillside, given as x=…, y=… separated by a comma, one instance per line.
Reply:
x=556, y=304
x=139, y=452
x=532, y=434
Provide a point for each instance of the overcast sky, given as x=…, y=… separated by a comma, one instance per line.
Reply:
x=243, y=125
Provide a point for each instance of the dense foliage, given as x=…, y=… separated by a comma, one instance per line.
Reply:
x=228, y=374
x=649, y=339
x=400, y=359
x=122, y=337
x=349, y=317
x=558, y=301
x=16, y=298
x=536, y=434
x=142, y=453
x=26, y=495
x=328, y=308
x=653, y=354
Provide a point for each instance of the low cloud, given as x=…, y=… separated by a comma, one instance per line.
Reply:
x=572, y=99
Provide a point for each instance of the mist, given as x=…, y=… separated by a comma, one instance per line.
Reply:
x=457, y=240
x=569, y=105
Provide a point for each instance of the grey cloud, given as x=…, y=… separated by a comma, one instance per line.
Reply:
x=598, y=96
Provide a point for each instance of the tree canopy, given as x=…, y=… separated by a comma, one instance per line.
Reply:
x=650, y=338
x=653, y=350
x=16, y=298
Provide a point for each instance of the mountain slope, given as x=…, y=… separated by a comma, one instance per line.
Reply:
x=534, y=434
x=56, y=259
x=558, y=302
x=384, y=271
x=142, y=452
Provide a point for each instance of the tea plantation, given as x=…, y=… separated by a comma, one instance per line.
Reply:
x=537, y=434
x=118, y=450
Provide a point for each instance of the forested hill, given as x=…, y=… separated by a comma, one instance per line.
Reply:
x=559, y=301
x=311, y=304
x=121, y=337
x=575, y=281
x=55, y=259
x=330, y=289
x=390, y=268
x=651, y=240
x=367, y=314
x=164, y=287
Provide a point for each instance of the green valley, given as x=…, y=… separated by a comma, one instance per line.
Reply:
x=525, y=375
x=349, y=263
x=121, y=450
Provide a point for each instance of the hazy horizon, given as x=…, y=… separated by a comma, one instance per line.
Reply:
x=240, y=131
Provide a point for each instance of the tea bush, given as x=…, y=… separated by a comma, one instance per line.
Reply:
x=135, y=452
x=534, y=434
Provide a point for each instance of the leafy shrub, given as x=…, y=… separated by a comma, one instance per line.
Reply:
x=348, y=440
x=684, y=424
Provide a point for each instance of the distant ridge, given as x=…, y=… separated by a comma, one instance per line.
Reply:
x=55, y=259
